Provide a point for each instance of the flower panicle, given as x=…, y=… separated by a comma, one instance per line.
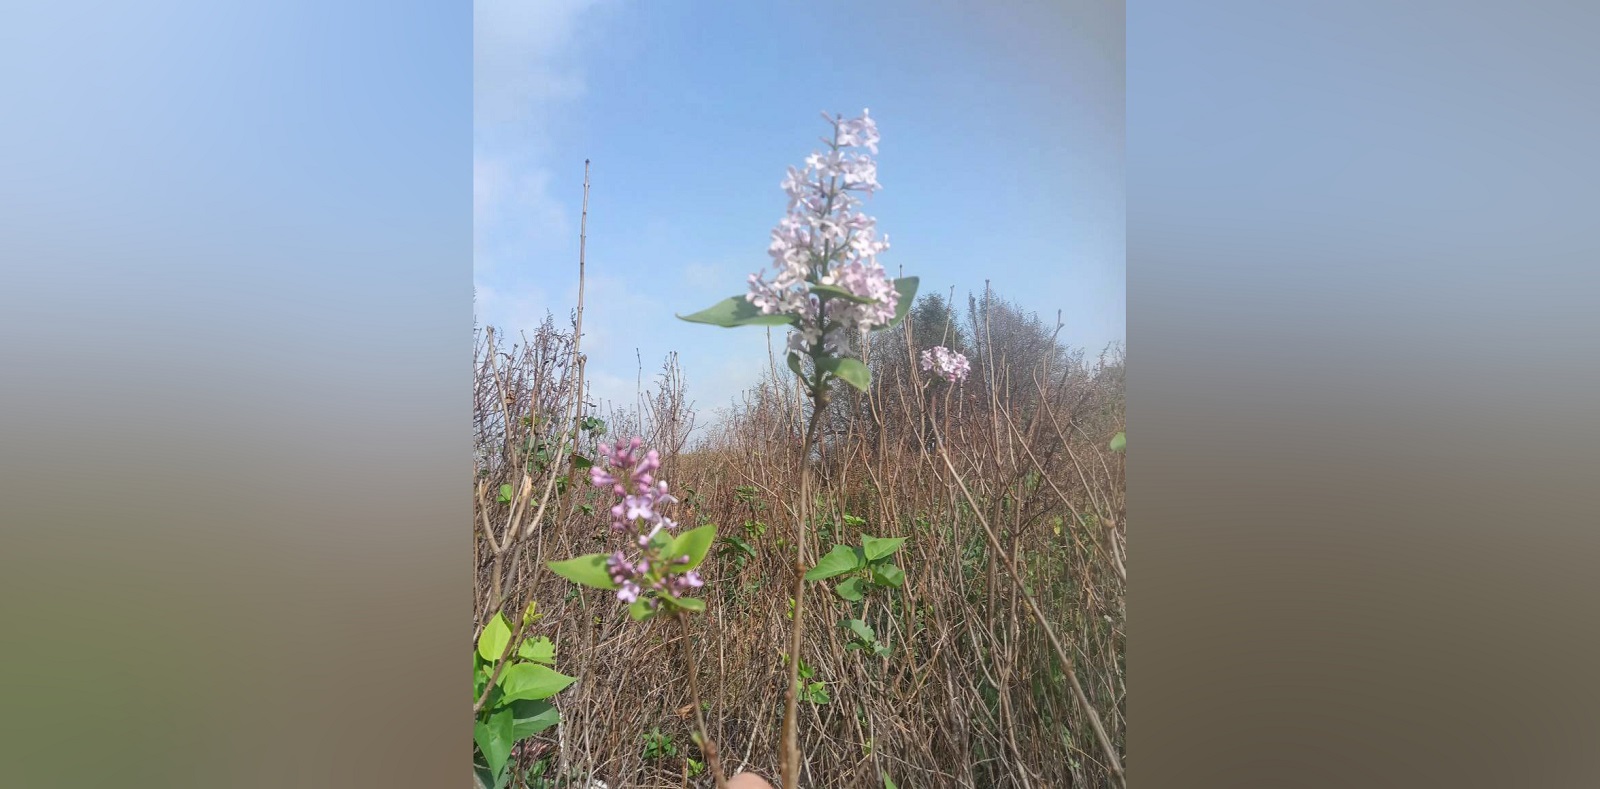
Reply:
x=825, y=239
x=628, y=472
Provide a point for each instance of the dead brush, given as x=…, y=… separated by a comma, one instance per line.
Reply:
x=972, y=692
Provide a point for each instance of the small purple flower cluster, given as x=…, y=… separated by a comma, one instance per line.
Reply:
x=627, y=576
x=945, y=363
x=631, y=477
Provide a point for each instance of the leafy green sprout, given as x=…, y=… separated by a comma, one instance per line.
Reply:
x=867, y=566
x=811, y=689
x=658, y=745
x=749, y=495
x=736, y=548
x=864, y=638
x=817, y=693
x=514, y=706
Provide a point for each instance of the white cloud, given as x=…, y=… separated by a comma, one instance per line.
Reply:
x=521, y=52
x=526, y=70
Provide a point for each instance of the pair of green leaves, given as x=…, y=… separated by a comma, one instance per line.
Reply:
x=814, y=692
x=817, y=693
x=851, y=371
x=505, y=727
x=590, y=570
x=866, y=639
x=738, y=549
x=870, y=563
x=496, y=636
x=738, y=311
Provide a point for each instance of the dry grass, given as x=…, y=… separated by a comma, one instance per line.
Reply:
x=972, y=694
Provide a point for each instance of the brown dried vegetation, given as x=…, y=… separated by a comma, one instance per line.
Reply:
x=972, y=693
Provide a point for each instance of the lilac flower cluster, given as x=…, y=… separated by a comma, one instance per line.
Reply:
x=946, y=363
x=824, y=239
x=631, y=477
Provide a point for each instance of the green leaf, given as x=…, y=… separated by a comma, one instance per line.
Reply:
x=888, y=575
x=851, y=371
x=818, y=693
x=505, y=494
x=794, y=364
x=539, y=650
x=494, y=739
x=879, y=547
x=530, y=717
x=532, y=681
x=589, y=570
x=1119, y=442
x=492, y=641
x=581, y=463
x=640, y=611
x=836, y=292
x=693, y=543
x=851, y=590
x=482, y=776
x=739, y=542
x=736, y=311
x=842, y=559
x=908, y=293
x=888, y=784
x=860, y=628
x=694, y=604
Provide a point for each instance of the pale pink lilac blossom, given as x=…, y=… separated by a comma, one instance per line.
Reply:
x=824, y=239
x=945, y=363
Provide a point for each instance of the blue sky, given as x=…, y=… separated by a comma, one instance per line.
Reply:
x=1001, y=159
